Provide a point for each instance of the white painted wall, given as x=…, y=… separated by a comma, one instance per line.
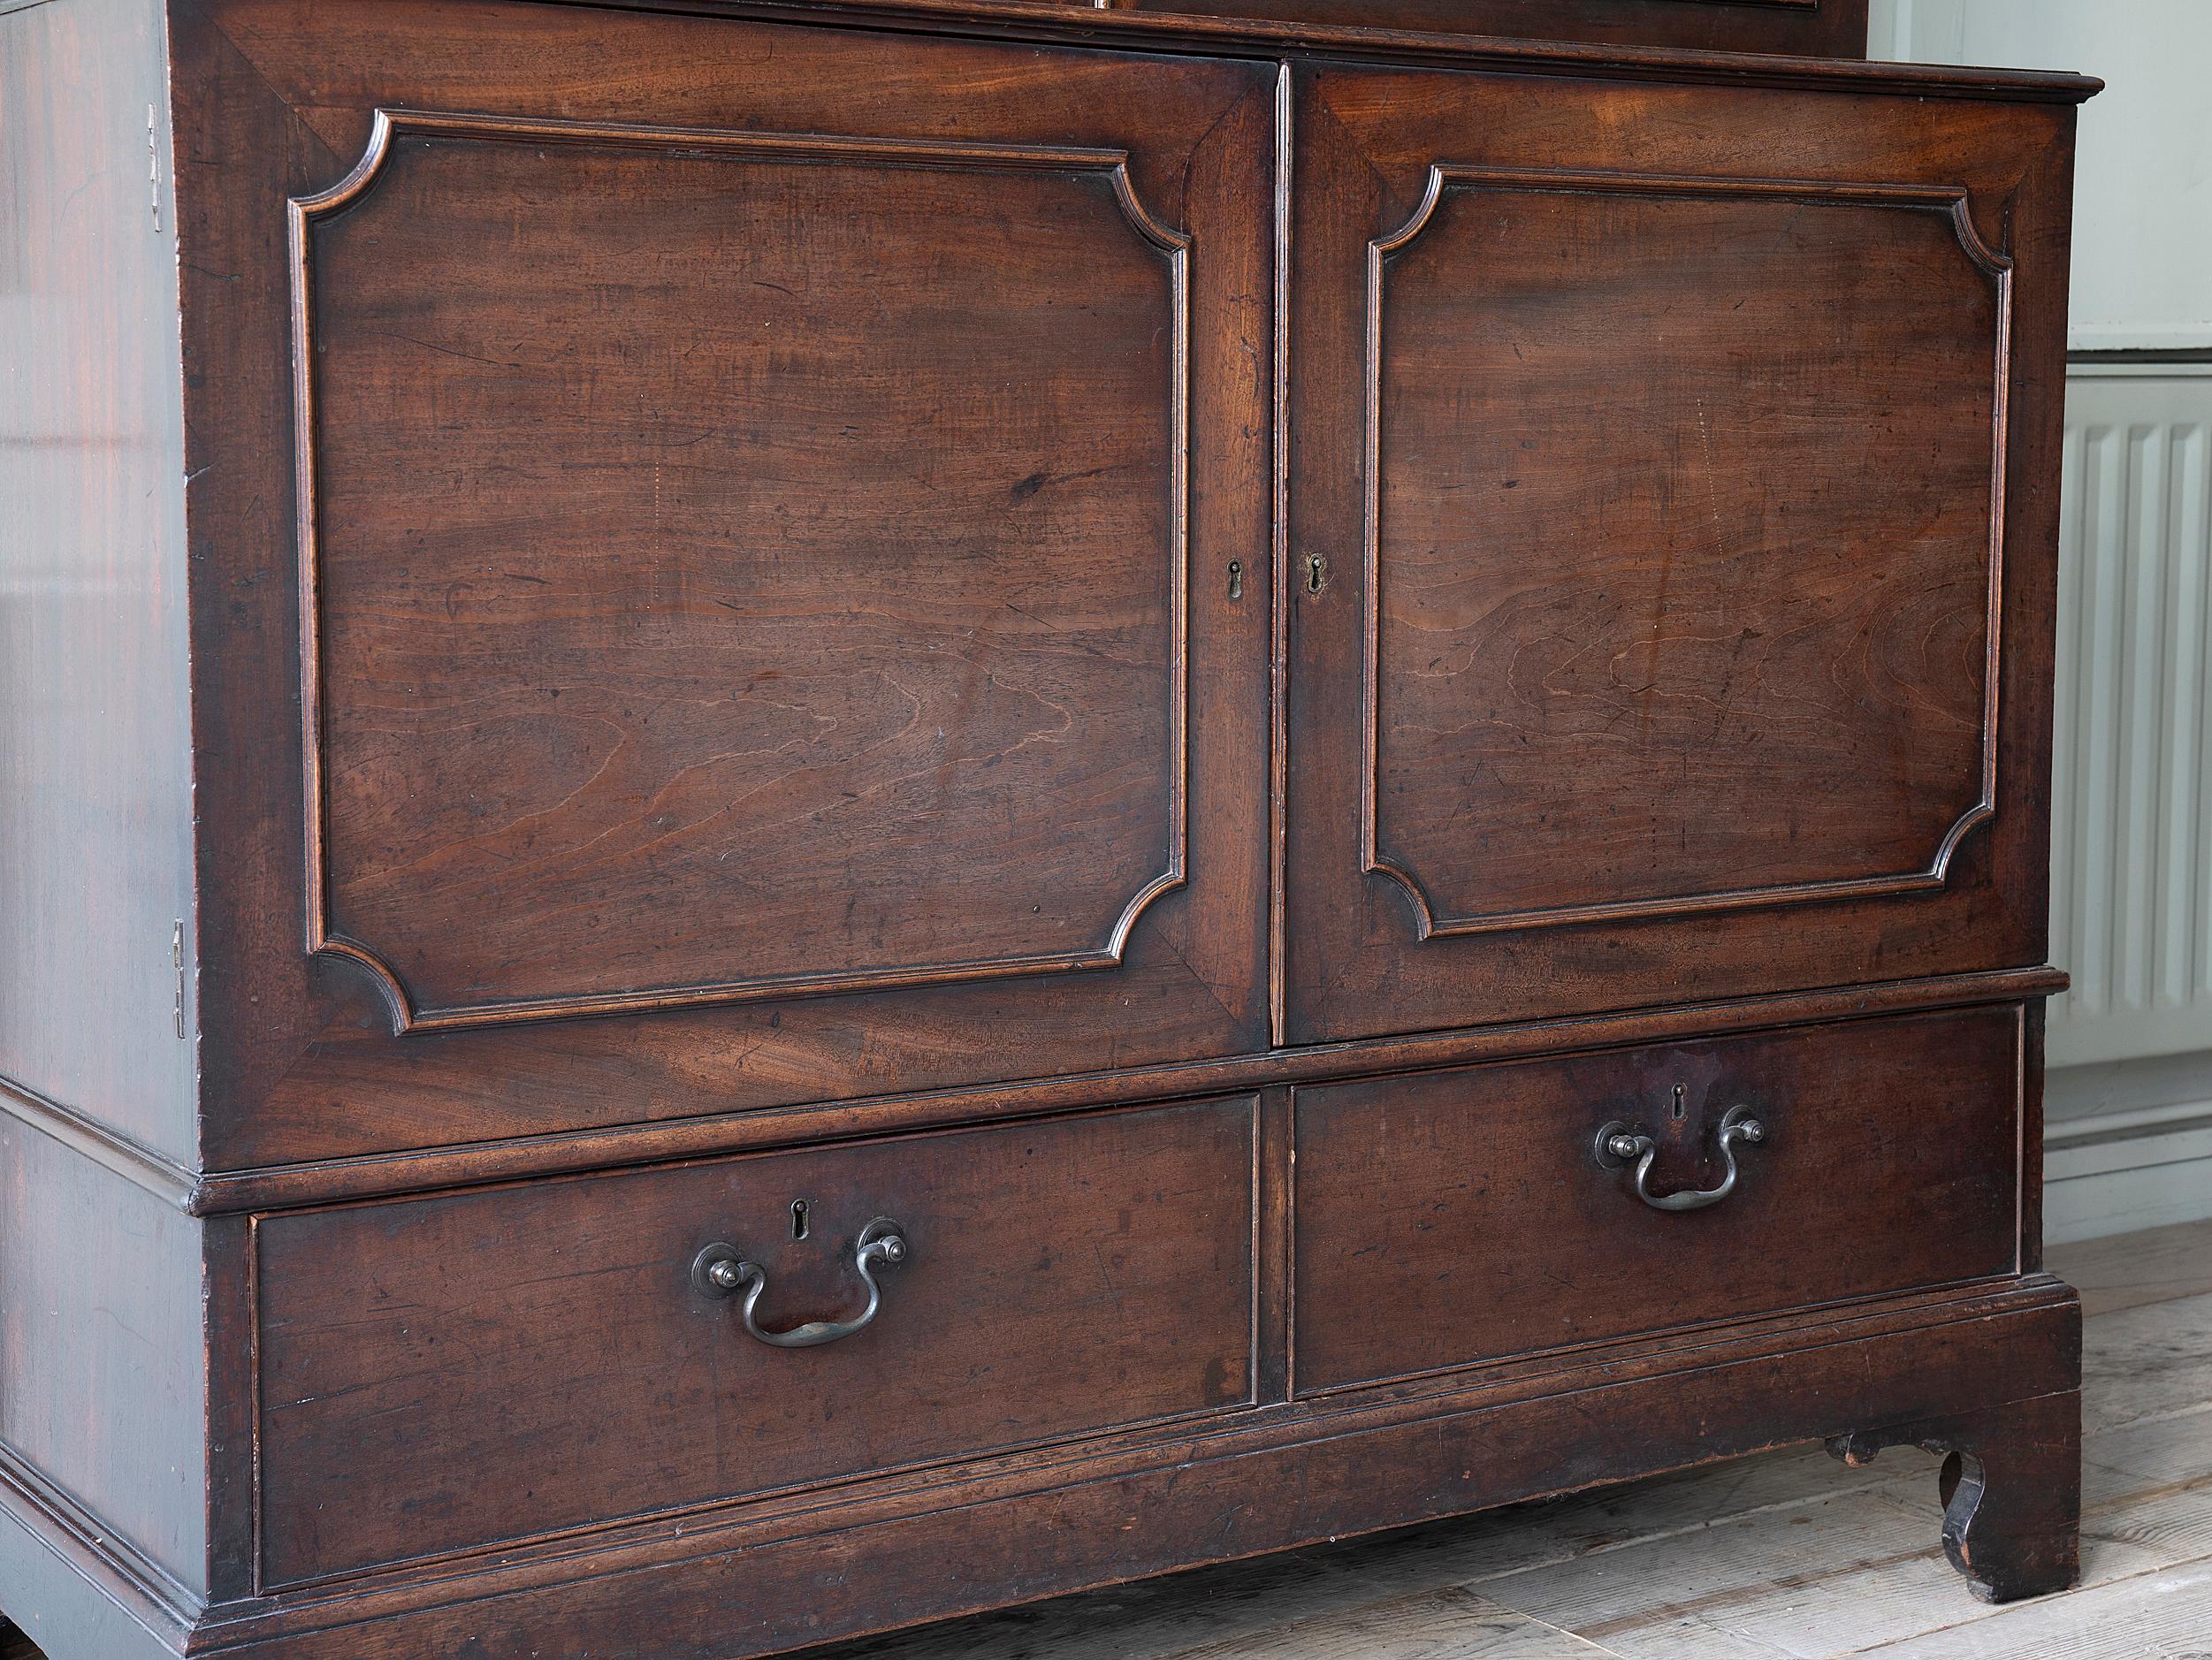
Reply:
x=2143, y=201
x=2128, y=1106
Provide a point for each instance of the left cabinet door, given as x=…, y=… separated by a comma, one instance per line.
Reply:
x=766, y=501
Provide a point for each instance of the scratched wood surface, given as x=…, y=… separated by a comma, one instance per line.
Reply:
x=1478, y=1161
x=1787, y=1554
x=746, y=568
x=1833, y=28
x=1584, y=709
x=1633, y=661
x=684, y=637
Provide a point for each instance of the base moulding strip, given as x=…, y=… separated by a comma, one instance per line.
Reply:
x=743, y=1583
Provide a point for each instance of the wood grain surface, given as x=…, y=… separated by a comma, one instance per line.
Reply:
x=1788, y=1553
x=769, y=615
x=1612, y=567
x=761, y=569
x=1459, y=1217
x=522, y=1360
x=838, y=643
x=1682, y=550
x=1822, y=27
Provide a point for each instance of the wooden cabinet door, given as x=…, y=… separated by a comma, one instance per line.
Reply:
x=1673, y=502
x=780, y=546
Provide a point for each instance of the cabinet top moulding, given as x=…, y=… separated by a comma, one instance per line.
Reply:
x=1067, y=21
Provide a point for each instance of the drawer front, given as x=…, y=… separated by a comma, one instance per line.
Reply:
x=1465, y=1216
x=447, y=1371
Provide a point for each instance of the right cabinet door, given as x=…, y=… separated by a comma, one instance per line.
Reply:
x=1672, y=518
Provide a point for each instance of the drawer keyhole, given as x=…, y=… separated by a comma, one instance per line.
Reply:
x=1680, y=1111
x=798, y=1218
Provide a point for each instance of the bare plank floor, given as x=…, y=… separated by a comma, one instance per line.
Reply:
x=1786, y=1557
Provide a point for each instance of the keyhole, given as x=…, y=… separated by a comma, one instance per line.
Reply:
x=1680, y=1111
x=1236, y=579
x=1315, y=568
x=798, y=1219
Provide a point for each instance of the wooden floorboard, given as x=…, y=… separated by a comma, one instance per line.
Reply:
x=2161, y=1265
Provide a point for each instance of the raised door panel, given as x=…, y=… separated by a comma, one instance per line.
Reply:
x=1681, y=554
x=760, y=567
x=776, y=536
x=1682, y=583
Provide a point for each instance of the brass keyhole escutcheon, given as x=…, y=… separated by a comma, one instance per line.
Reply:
x=1316, y=573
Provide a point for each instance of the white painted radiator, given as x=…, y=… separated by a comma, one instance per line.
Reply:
x=2132, y=800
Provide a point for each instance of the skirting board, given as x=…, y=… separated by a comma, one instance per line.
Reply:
x=2116, y=1158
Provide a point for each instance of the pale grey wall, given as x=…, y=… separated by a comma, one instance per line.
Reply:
x=2143, y=225
x=2130, y=1098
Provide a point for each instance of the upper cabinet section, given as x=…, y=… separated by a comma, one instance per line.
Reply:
x=1696, y=572
x=1809, y=28
x=764, y=508
x=1660, y=640
x=739, y=563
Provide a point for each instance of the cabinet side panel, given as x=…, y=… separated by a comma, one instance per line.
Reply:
x=95, y=782
x=102, y=1371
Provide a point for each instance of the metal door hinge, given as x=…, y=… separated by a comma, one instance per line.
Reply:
x=177, y=960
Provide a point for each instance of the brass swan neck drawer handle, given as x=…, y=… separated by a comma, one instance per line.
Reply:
x=721, y=1271
x=1619, y=1146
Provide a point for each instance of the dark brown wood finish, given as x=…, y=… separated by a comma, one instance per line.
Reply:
x=751, y=641
x=523, y=1360
x=1634, y=659
x=1726, y=644
x=1809, y=28
x=2012, y=1489
x=896, y=650
x=224, y=1194
x=1462, y=1216
x=752, y=617
x=788, y=1572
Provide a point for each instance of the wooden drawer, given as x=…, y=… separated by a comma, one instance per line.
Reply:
x=450, y=1371
x=1462, y=1216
